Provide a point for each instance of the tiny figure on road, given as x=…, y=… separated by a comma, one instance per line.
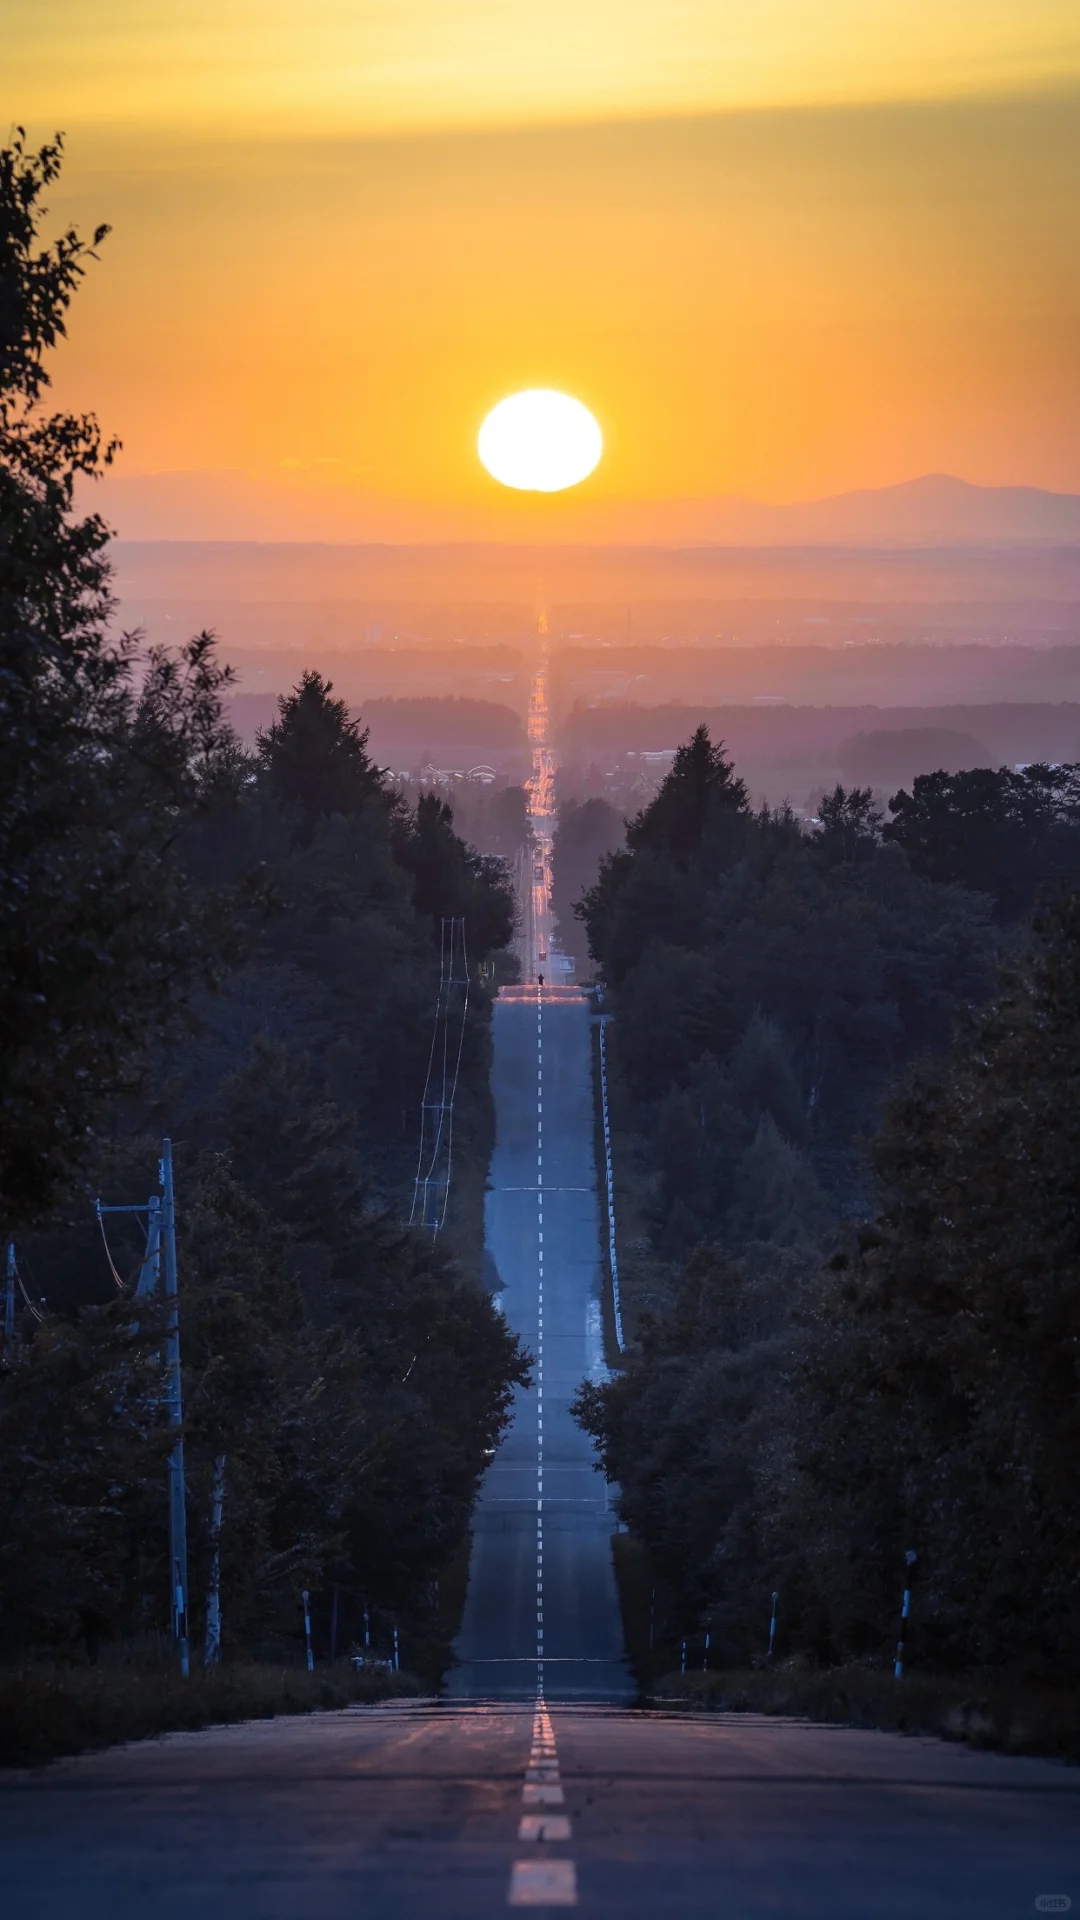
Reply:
x=540, y=979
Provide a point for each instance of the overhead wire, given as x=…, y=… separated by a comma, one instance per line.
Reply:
x=432, y=1138
x=420, y=1181
x=457, y=1070
x=121, y=1285
x=38, y=1315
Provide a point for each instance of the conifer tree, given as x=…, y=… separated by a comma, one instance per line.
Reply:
x=100, y=933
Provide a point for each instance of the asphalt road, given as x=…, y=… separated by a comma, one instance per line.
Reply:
x=514, y=1792
x=542, y=1609
x=427, y=1810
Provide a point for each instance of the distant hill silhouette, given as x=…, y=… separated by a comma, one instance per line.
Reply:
x=936, y=510
x=933, y=510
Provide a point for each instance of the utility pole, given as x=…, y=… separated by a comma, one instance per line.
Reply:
x=175, y=1405
x=306, y=1597
x=212, y=1652
x=9, y=1303
x=161, y=1237
x=905, y=1615
x=150, y=1271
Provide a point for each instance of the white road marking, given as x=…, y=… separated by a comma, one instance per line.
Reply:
x=544, y=1826
x=543, y=1883
x=545, y=1796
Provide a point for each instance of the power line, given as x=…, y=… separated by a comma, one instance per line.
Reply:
x=161, y=1241
x=431, y=1186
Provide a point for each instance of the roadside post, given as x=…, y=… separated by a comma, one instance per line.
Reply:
x=905, y=1615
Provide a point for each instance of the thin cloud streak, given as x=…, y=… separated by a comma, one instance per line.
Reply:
x=368, y=66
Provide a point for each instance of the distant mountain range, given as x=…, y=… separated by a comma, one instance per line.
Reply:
x=937, y=510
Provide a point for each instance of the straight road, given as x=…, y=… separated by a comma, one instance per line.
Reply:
x=398, y=1812
x=542, y=1611
x=514, y=1792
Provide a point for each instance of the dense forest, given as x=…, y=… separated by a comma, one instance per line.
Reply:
x=848, y=1066
x=586, y=831
x=240, y=951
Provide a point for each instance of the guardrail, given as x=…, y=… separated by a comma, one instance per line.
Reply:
x=610, y=1179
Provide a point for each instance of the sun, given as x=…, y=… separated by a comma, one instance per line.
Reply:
x=540, y=441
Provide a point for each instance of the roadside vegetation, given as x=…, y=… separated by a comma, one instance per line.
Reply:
x=241, y=951
x=48, y=1710
x=849, y=1065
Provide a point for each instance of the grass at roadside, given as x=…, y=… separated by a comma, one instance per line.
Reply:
x=47, y=1710
x=983, y=1710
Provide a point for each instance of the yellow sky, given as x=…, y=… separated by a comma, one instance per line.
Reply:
x=342, y=231
x=358, y=66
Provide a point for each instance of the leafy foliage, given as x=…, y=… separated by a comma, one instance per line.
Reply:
x=82, y=1464
x=587, y=830
x=937, y=1399
x=763, y=971
x=1011, y=834
x=101, y=936
x=801, y=1425
x=264, y=933
x=314, y=760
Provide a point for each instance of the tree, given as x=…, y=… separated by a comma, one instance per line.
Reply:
x=850, y=823
x=937, y=1406
x=701, y=786
x=777, y=1197
x=679, y=1430
x=586, y=832
x=764, y=1078
x=82, y=1465
x=351, y=1375
x=101, y=936
x=282, y=1397
x=451, y=880
x=314, y=758
x=1007, y=833
x=507, y=820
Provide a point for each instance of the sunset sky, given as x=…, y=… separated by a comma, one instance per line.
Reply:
x=781, y=248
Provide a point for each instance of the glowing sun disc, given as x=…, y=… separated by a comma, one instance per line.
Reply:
x=540, y=441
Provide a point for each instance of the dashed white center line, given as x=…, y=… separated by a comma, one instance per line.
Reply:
x=543, y=1883
x=540, y=1882
x=544, y=1826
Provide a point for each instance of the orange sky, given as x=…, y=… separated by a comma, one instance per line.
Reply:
x=765, y=276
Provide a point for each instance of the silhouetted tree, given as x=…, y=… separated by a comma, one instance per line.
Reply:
x=586, y=832
x=850, y=823
x=937, y=1406
x=1005, y=833
x=101, y=934
x=701, y=784
x=450, y=878
x=314, y=758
